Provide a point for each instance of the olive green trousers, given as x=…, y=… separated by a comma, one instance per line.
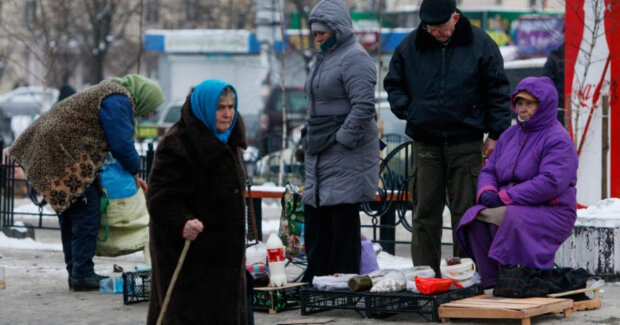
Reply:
x=441, y=175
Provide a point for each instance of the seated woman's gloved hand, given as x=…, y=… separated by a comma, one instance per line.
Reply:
x=491, y=199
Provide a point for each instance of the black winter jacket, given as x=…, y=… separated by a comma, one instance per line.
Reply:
x=449, y=94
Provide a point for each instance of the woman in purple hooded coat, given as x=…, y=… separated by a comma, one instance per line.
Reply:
x=526, y=191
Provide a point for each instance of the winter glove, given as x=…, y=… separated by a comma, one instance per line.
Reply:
x=491, y=199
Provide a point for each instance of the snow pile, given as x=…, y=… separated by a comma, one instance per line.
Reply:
x=604, y=214
x=27, y=243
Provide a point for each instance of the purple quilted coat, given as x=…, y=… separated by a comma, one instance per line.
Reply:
x=534, y=169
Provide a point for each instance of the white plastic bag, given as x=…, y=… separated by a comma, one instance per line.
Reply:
x=393, y=281
x=256, y=254
x=332, y=282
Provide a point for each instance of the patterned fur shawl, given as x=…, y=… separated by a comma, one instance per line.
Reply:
x=62, y=151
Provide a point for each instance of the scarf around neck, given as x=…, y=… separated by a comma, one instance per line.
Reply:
x=204, y=101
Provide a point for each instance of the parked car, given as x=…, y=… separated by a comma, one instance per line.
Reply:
x=164, y=118
x=30, y=100
x=270, y=133
x=517, y=70
x=393, y=128
x=267, y=168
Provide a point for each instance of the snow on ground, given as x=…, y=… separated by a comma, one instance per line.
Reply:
x=27, y=243
x=605, y=214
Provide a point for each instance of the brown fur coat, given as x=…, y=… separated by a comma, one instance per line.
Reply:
x=62, y=151
x=195, y=175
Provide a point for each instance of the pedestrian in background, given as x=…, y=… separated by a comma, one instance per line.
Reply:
x=527, y=199
x=554, y=69
x=63, y=150
x=65, y=91
x=341, y=143
x=196, y=192
x=447, y=80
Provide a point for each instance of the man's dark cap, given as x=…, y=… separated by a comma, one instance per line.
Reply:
x=436, y=12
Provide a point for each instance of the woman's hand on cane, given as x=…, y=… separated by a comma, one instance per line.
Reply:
x=192, y=228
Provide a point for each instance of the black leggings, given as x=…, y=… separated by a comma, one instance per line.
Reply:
x=332, y=239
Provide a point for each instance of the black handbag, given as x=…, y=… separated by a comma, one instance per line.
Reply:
x=520, y=281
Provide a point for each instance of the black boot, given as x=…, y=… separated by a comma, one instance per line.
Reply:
x=89, y=283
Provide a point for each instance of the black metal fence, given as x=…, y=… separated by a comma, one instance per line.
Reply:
x=13, y=183
x=387, y=214
x=394, y=191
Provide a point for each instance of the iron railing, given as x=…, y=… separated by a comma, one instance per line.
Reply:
x=12, y=181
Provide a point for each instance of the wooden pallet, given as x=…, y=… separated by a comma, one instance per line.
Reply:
x=489, y=306
x=594, y=303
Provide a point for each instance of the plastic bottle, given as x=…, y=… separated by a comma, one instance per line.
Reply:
x=111, y=285
x=275, y=257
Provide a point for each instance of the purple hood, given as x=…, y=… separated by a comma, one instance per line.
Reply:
x=543, y=89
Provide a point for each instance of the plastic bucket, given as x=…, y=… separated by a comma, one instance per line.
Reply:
x=458, y=272
x=423, y=271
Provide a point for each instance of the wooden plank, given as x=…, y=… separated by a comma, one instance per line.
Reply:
x=275, y=192
x=457, y=312
x=588, y=304
x=488, y=306
x=509, y=304
x=551, y=307
x=286, y=286
x=572, y=292
x=594, y=303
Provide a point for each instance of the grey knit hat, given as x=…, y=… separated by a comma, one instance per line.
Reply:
x=436, y=12
x=320, y=27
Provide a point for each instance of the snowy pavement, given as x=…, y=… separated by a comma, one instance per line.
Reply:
x=36, y=288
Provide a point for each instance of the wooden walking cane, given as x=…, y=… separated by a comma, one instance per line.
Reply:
x=160, y=318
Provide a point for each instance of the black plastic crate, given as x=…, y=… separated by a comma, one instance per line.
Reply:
x=381, y=304
x=314, y=300
x=136, y=287
x=375, y=304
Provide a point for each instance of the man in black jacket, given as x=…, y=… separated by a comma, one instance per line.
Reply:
x=554, y=69
x=447, y=79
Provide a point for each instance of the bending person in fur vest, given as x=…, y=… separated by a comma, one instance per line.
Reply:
x=63, y=150
x=195, y=193
x=527, y=204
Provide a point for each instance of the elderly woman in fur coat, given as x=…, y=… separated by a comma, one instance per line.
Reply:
x=195, y=193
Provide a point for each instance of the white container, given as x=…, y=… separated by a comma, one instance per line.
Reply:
x=275, y=258
x=459, y=272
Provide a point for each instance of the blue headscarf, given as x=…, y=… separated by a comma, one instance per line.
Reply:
x=204, y=101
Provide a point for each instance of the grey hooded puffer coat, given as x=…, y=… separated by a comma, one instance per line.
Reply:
x=342, y=83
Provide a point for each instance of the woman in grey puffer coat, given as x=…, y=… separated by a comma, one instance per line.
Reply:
x=341, y=143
